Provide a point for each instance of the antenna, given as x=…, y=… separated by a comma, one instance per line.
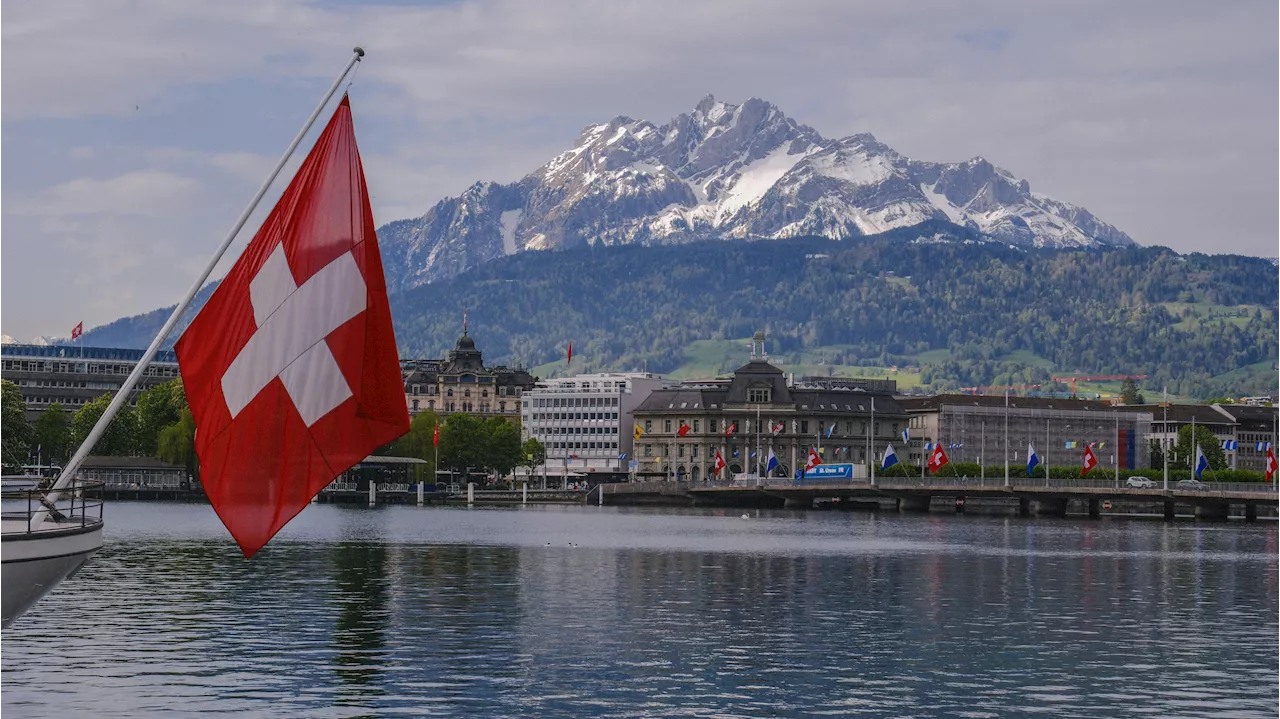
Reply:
x=464, y=321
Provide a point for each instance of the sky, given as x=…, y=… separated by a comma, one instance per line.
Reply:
x=133, y=133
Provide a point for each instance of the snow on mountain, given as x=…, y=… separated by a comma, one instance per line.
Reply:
x=7, y=340
x=724, y=171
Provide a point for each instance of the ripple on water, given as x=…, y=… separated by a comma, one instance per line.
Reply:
x=399, y=610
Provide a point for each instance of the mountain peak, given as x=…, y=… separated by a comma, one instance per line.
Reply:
x=725, y=171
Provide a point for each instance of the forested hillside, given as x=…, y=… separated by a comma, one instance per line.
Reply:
x=965, y=311
x=999, y=314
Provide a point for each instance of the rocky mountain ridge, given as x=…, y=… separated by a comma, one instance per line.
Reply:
x=724, y=171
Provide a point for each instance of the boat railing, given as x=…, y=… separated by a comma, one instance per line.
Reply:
x=78, y=505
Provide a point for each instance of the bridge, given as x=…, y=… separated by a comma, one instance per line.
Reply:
x=1212, y=501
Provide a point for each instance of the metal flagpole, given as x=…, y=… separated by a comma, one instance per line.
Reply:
x=1115, y=451
x=122, y=394
x=1006, y=438
x=982, y=451
x=871, y=441
x=1165, y=453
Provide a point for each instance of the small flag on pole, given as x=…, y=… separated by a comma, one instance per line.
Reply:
x=435, y=437
x=77, y=331
x=938, y=458
x=906, y=436
x=890, y=457
x=1271, y=463
x=814, y=460
x=637, y=433
x=772, y=464
x=1032, y=459
x=1089, y=462
x=831, y=429
x=1201, y=462
x=570, y=360
x=729, y=431
x=684, y=429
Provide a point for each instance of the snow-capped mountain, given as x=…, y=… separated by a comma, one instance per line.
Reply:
x=724, y=171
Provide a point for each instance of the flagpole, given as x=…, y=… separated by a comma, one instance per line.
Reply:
x=1165, y=453
x=871, y=442
x=1006, y=438
x=122, y=394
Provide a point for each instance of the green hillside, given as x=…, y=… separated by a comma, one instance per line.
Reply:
x=942, y=315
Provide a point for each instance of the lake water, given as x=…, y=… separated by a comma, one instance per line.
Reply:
x=614, y=612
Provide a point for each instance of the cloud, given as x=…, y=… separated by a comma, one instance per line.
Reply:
x=141, y=192
x=1151, y=115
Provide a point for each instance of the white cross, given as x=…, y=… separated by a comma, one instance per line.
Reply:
x=289, y=343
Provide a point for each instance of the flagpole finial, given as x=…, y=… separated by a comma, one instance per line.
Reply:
x=359, y=51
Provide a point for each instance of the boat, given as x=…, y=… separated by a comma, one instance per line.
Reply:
x=44, y=542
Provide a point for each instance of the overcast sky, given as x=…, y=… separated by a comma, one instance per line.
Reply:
x=134, y=132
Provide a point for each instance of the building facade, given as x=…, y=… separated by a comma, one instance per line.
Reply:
x=1241, y=430
x=973, y=429
x=585, y=422
x=755, y=411
x=462, y=383
x=75, y=376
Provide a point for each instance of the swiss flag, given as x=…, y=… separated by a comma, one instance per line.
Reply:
x=1271, y=463
x=719, y=464
x=291, y=369
x=778, y=427
x=1090, y=461
x=77, y=330
x=684, y=429
x=937, y=458
x=731, y=429
x=814, y=460
x=435, y=437
x=570, y=360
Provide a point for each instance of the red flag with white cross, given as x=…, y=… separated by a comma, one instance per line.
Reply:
x=719, y=464
x=937, y=458
x=1271, y=462
x=1090, y=461
x=291, y=368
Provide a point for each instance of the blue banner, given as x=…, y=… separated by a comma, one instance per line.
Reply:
x=830, y=471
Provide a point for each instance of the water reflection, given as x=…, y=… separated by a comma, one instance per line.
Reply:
x=633, y=613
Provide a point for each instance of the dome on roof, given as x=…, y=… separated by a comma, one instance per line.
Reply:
x=465, y=343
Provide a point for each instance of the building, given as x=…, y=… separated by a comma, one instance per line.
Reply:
x=462, y=383
x=755, y=411
x=75, y=376
x=1169, y=420
x=136, y=473
x=971, y=428
x=1255, y=427
x=585, y=422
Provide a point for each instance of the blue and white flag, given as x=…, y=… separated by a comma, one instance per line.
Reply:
x=1201, y=463
x=906, y=437
x=622, y=456
x=1230, y=445
x=928, y=446
x=773, y=462
x=753, y=456
x=831, y=429
x=1257, y=446
x=890, y=458
x=1033, y=460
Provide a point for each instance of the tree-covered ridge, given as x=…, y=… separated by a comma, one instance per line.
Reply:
x=1180, y=319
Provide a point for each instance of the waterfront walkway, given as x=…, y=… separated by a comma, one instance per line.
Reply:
x=1040, y=497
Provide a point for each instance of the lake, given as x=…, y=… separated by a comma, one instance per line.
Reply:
x=584, y=611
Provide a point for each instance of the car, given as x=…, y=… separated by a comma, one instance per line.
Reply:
x=1191, y=484
x=1139, y=483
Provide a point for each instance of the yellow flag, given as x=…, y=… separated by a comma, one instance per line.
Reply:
x=636, y=434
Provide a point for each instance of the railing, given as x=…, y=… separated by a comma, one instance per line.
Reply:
x=79, y=504
x=993, y=483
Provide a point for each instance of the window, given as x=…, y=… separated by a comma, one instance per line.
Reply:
x=666, y=426
x=648, y=426
x=415, y=405
x=711, y=426
x=758, y=395
x=648, y=450
x=694, y=452
x=695, y=426
x=804, y=426
x=680, y=451
x=449, y=393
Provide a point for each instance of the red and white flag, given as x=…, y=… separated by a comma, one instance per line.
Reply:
x=570, y=360
x=728, y=432
x=435, y=437
x=937, y=458
x=1090, y=461
x=1271, y=463
x=77, y=330
x=684, y=429
x=719, y=464
x=778, y=427
x=291, y=369
x=814, y=460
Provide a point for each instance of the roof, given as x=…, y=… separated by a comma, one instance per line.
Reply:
x=846, y=401
x=683, y=399
x=932, y=404
x=384, y=459
x=1249, y=413
x=107, y=462
x=94, y=353
x=1184, y=413
x=758, y=373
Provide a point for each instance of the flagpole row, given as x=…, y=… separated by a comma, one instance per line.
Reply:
x=122, y=394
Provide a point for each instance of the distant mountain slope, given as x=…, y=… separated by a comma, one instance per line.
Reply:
x=724, y=171
x=969, y=311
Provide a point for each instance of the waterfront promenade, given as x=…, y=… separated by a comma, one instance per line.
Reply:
x=1050, y=497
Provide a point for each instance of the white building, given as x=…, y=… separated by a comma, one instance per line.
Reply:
x=585, y=422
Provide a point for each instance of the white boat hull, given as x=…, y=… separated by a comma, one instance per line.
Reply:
x=33, y=563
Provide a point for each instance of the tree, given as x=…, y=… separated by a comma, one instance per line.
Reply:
x=462, y=442
x=14, y=427
x=1129, y=393
x=503, y=445
x=1184, y=452
x=176, y=443
x=1157, y=455
x=418, y=443
x=53, y=433
x=158, y=408
x=535, y=454
x=120, y=439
